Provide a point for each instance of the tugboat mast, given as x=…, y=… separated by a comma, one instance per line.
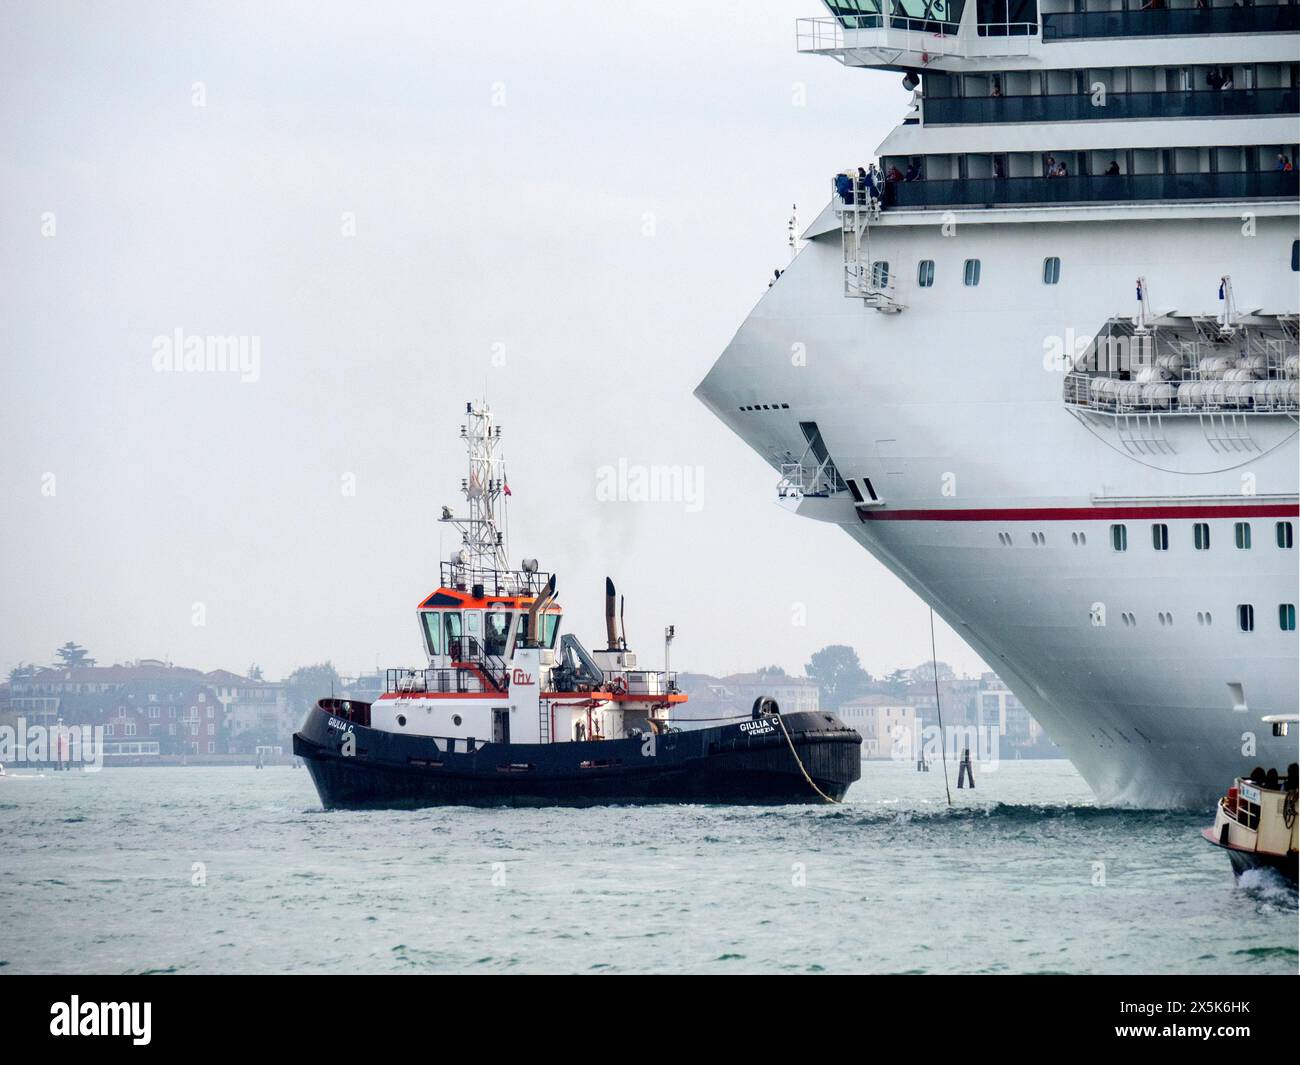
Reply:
x=482, y=559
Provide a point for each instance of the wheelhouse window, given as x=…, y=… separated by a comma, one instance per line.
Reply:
x=1242, y=532
x=432, y=620
x=1286, y=617
x=550, y=624
x=1201, y=536
x=1285, y=535
x=496, y=630
x=1160, y=536
x=1119, y=537
x=925, y=273
x=971, y=273
x=1246, y=617
x=451, y=631
x=1051, y=270
x=1006, y=18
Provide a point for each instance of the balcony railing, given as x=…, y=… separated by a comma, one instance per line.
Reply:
x=1119, y=188
x=1164, y=22
x=1206, y=103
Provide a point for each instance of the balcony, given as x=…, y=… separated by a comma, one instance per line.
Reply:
x=1269, y=18
x=1208, y=103
x=1119, y=188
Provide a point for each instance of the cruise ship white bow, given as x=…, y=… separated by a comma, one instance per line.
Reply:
x=1042, y=363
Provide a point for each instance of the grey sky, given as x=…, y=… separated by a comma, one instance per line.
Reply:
x=520, y=229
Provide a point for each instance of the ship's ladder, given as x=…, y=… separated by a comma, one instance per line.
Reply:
x=543, y=721
x=863, y=278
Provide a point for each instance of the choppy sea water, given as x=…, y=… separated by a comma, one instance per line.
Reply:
x=239, y=870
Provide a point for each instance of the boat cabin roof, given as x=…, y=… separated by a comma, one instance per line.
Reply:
x=451, y=599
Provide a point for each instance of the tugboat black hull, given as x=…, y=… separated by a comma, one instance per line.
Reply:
x=745, y=763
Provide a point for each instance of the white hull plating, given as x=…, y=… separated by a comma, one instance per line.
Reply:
x=1132, y=660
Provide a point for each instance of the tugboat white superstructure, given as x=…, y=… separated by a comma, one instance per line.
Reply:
x=1110, y=523
x=506, y=710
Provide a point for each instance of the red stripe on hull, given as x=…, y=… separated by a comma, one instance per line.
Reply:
x=1237, y=510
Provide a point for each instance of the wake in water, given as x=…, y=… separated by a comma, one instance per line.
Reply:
x=1269, y=888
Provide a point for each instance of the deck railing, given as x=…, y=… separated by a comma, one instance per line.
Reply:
x=1198, y=103
x=1167, y=22
x=1116, y=188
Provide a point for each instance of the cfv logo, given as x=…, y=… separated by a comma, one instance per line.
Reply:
x=520, y=677
x=102, y=1018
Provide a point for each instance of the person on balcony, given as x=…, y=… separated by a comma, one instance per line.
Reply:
x=997, y=88
x=998, y=171
x=894, y=174
x=1213, y=78
x=1049, y=166
x=914, y=172
x=1113, y=169
x=844, y=187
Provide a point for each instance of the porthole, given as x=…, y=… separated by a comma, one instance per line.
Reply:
x=1201, y=536
x=401, y=720
x=455, y=719
x=971, y=273
x=1245, y=617
x=925, y=273
x=1051, y=270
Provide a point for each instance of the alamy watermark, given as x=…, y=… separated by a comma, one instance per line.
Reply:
x=629, y=482
x=177, y=352
x=45, y=744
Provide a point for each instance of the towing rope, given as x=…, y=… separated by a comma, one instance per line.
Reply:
x=943, y=738
x=799, y=762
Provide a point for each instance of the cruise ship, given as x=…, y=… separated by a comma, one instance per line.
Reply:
x=1039, y=357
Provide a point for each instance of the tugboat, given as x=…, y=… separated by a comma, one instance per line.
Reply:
x=1255, y=822
x=507, y=711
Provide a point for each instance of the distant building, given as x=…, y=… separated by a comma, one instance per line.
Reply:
x=793, y=694
x=148, y=707
x=999, y=709
x=887, y=725
x=255, y=709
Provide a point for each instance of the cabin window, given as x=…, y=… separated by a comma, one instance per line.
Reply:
x=1245, y=617
x=1160, y=536
x=1051, y=270
x=880, y=274
x=550, y=624
x=432, y=631
x=1119, y=537
x=497, y=628
x=451, y=630
x=925, y=273
x=1295, y=255
x=1201, y=536
x=1286, y=617
x=971, y=273
x=1242, y=530
x=1285, y=535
